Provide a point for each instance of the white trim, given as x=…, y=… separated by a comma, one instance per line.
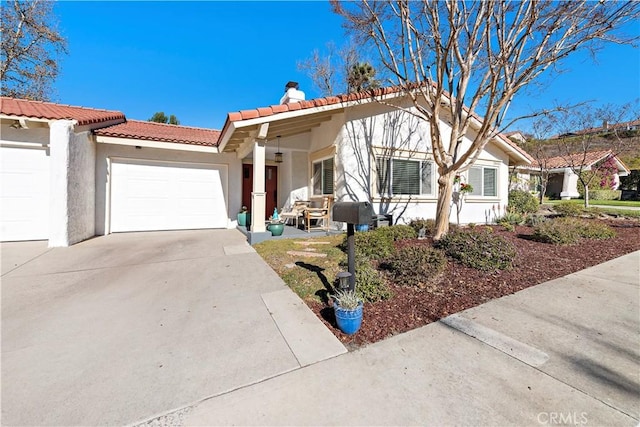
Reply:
x=155, y=144
x=28, y=145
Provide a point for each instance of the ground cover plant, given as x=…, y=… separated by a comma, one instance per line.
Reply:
x=403, y=299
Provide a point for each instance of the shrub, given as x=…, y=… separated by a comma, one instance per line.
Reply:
x=595, y=230
x=568, y=209
x=512, y=218
x=418, y=224
x=378, y=243
x=558, y=231
x=605, y=194
x=415, y=265
x=522, y=202
x=371, y=245
x=479, y=249
x=397, y=232
x=508, y=226
x=564, y=231
x=370, y=286
x=535, y=220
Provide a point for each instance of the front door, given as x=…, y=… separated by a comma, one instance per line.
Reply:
x=270, y=186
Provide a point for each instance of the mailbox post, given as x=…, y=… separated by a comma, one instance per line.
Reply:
x=352, y=213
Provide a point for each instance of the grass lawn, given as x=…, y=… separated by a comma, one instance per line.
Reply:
x=316, y=273
x=626, y=203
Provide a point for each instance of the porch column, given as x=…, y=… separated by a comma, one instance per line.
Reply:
x=258, y=195
x=569, y=185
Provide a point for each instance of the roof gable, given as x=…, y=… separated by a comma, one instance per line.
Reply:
x=342, y=101
x=50, y=111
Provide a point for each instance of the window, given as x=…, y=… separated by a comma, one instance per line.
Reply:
x=323, y=177
x=398, y=176
x=484, y=181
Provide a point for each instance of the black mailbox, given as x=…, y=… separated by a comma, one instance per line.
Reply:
x=353, y=212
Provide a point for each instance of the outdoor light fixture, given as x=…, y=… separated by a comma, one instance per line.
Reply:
x=278, y=153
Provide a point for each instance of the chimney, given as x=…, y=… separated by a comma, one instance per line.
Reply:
x=605, y=125
x=292, y=93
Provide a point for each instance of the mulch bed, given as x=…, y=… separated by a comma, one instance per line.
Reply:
x=462, y=287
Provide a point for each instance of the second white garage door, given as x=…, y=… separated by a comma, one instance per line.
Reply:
x=149, y=196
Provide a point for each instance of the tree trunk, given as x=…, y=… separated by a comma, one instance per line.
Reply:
x=586, y=196
x=443, y=208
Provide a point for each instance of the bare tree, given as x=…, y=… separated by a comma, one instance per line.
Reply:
x=459, y=60
x=340, y=70
x=581, y=133
x=29, y=48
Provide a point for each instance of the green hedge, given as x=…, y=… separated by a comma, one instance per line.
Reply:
x=605, y=194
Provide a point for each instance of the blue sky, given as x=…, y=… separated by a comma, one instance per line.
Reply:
x=201, y=60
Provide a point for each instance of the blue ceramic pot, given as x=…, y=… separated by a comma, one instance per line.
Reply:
x=348, y=321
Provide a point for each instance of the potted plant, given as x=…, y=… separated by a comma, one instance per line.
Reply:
x=347, y=307
x=276, y=224
x=243, y=217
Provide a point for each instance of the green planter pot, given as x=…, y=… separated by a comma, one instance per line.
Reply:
x=243, y=219
x=276, y=229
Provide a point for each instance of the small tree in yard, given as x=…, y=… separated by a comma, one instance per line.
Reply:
x=576, y=148
x=458, y=60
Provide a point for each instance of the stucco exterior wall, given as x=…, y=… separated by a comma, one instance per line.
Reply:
x=107, y=151
x=60, y=134
x=376, y=130
x=81, y=186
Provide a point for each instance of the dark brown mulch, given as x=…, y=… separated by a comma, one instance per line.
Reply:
x=462, y=287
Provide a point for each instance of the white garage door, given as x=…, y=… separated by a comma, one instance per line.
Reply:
x=24, y=194
x=149, y=196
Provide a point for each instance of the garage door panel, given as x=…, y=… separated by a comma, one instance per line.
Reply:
x=24, y=194
x=167, y=196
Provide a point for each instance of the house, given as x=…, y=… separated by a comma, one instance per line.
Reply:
x=69, y=173
x=562, y=180
x=516, y=136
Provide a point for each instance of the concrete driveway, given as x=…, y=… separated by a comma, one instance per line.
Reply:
x=122, y=328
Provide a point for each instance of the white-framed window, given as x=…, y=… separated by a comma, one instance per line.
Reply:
x=404, y=177
x=484, y=180
x=323, y=176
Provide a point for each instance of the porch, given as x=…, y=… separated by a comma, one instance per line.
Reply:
x=290, y=232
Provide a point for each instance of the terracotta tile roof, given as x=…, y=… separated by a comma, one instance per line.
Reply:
x=312, y=103
x=51, y=111
x=576, y=159
x=150, y=131
x=369, y=94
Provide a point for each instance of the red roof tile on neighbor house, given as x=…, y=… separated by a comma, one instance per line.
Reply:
x=150, y=131
x=576, y=160
x=51, y=111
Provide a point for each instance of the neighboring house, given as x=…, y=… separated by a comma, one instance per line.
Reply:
x=562, y=181
x=69, y=173
x=516, y=136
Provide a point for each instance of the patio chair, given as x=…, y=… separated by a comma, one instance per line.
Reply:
x=319, y=214
x=295, y=212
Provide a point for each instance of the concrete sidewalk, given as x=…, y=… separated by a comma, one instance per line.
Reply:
x=563, y=352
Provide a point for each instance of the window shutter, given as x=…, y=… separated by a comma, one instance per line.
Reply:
x=406, y=177
x=490, y=184
x=427, y=174
x=475, y=179
x=382, y=166
x=327, y=176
